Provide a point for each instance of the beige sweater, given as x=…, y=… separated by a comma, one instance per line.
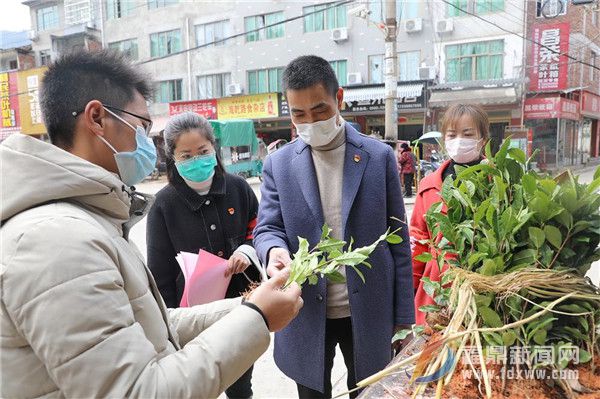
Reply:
x=329, y=167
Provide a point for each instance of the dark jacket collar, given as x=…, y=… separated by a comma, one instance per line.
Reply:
x=192, y=198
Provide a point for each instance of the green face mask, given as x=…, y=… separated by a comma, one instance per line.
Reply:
x=199, y=168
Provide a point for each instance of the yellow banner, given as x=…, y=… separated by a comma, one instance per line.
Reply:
x=29, y=101
x=248, y=107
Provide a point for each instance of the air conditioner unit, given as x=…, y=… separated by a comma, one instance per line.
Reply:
x=413, y=25
x=444, y=26
x=33, y=35
x=426, y=73
x=234, y=89
x=339, y=34
x=354, y=78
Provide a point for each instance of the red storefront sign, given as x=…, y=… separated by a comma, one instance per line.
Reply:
x=205, y=108
x=9, y=101
x=551, y=108
x=549, y=66
x=591, y=105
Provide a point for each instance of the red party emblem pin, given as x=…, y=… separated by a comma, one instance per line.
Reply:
x=231, y=211
x=356, y=158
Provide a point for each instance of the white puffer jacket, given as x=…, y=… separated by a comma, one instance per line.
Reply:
x=80, y=314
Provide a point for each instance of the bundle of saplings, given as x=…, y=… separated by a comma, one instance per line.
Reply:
x=514, y=246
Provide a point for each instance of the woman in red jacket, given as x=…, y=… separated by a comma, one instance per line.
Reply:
x=465, y=131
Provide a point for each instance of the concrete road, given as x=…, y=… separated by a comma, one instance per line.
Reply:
x=268, y=381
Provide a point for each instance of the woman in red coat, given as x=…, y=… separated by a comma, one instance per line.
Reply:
x=465, y=131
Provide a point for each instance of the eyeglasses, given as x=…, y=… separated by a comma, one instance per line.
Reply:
x=147, y=126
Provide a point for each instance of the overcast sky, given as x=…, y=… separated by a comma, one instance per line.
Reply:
x=14, y=16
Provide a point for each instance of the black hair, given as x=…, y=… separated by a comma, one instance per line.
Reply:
x=180, y=124
x=307, y=71
x=79, y=77
x=405, y=146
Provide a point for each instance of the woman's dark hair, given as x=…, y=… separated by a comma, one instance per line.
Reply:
x=181, y=124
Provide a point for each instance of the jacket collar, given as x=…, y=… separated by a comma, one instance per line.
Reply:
x=434, y=180
x=194, y=200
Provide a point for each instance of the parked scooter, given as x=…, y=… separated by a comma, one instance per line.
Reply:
x=428, y=167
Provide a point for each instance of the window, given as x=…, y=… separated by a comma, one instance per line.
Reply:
x=260, y=21
x=161, y=3
x=488, y=6
x=13, y=64
x=47, y=18
x=164, y=43
x=551, y=7
x=454, y=9
x=459, y=8
x=127, y=47
x=169, y=90
x=325, y=17
x=405, y=9
x=119, y=8
x=77, y=11
x=340, y=68
x=213, y=86
x=474, y=61
x=408, y=65
x=265, y=81
x=595, y=18
x=45, y=57
x=209, y=33
x=376, y=68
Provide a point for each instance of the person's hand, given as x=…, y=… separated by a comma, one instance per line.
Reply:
x=397, y=346
x=278, y=259
x=279, y=306
x=237, y=263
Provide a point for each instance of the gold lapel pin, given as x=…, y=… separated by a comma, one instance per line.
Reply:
x=356, y=158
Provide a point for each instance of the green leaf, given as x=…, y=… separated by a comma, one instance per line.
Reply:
x=518, y=155
x=509, y=338
x=351, y=258
x=584, y=356
x=429, y=308
x=394, y=239
x=529, y=184
x=536, y=236
x=488, y=268
x=525, y=256
x=336, y=277
x=331, y=245
x=597, y=173
x=430, y=287
x=553, y=235
x=360, y=274
x=490, y=317
x=424, y=257
x=325, y=232
x=313, y=279
x=401, y=335
x=565, y=218
x=483, y=300
x=540, y=337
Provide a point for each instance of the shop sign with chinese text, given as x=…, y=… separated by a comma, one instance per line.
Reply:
x=550, y=65
x=248, y=107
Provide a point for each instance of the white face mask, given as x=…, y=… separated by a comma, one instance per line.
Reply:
x=320, y=133
x=463, y=150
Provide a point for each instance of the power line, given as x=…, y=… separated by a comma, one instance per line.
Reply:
x=521, y=36
x=332, y=5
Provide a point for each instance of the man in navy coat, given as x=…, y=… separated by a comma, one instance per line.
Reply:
x=336, y=176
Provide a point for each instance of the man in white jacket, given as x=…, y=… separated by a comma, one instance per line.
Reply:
x=80, y=315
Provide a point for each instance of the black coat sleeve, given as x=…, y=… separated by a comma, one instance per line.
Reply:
x=161, y=256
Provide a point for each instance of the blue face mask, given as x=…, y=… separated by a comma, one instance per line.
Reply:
x=199, y=168
x=134, y=166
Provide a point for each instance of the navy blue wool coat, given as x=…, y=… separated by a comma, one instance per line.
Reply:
x=291, y=207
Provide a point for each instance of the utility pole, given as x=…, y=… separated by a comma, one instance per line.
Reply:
x=391, y=75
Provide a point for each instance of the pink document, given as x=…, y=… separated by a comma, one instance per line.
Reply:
x=205, y=279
